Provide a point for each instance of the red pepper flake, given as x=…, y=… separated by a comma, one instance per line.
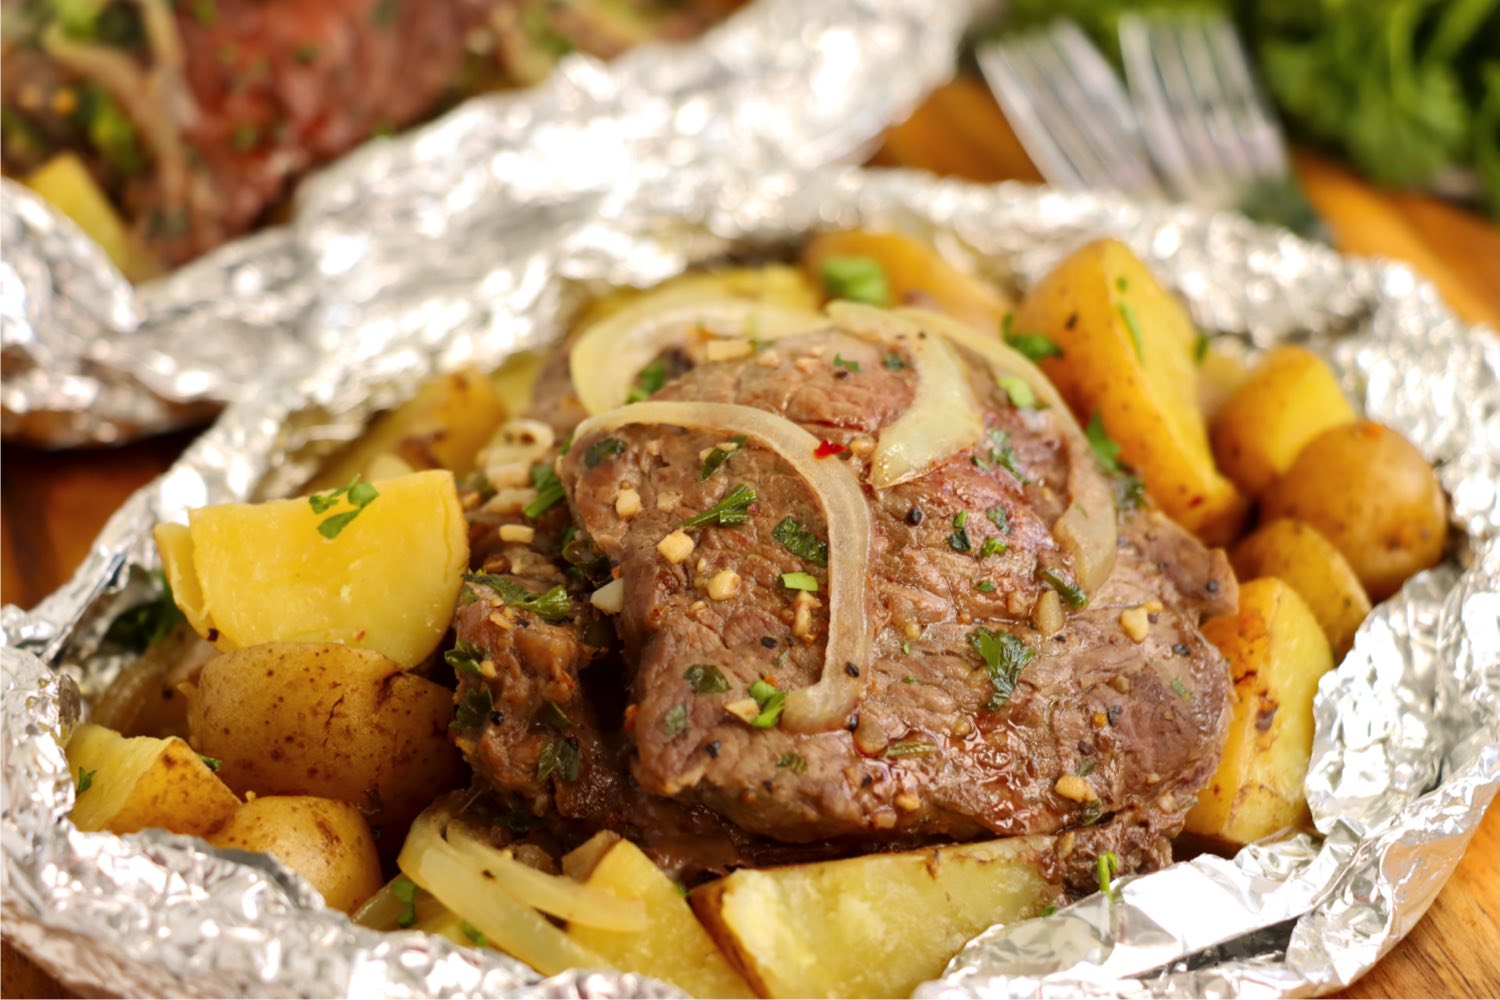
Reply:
x=630, y=713
x=827, y=448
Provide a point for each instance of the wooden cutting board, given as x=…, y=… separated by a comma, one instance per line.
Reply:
x=52, y=505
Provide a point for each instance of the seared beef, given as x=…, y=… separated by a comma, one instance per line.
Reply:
x=1102, y=726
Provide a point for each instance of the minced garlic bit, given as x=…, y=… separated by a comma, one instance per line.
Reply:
x=668, y=501
x=1074, y=788
x=911, y=630
x=523, y=533
x=675, y=547
x=907, y=801
x=1120, y=683
x=1136, y=624
x=509, y=501
x=628, y=503
x=802, y=609
x=727, y=350
x=861, y=445
x=744, y=709
x=724, y=585
x=609, y=598
x=805, y=364
x=1047, y=616
x=769, y=359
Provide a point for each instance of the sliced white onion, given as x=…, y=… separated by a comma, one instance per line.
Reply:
x=609, y=354
x=826, y=704
x=943, y=418
x=1087, y=528
x=512, y=451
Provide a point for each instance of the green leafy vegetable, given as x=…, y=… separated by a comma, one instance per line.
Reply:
x=602, y=449
x=991, y=547
x=718, y=456
x=1106, y=867
x=553, y=715
x=892, y=362
x=474, y=708
x=647, y=381
x=839, y=361
x=1128, y=315
x=799, y=581
x=1004, y=454
x=1180, y=689
x=85, y=780
x=559, y=757
x=705, y=678
x=794, y=762
x=1004, y=656
x=857, y=279
x=1066, y=589
x=733, y=509
x=770, y=702
x=146, y=624
x=1105, y=449
x=985, y=587
x=959, y=539
x=675, y=721
x=551, y=605
x=1022, y=396
x=212, y=763
x=999, y=518
x=464, y=658
x=473, y=934
x=405, y=891
x=797, y=540
x=1035, y=347
x=549, y=490
x=356, y=493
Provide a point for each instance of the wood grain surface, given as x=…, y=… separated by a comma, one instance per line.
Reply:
x=54, y=504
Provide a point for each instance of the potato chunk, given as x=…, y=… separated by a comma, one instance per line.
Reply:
x=914, y=274
x=326, y=842
x=1127, y=356
x=1289, y=399
x=1297, y=555
x=65, y=182
x=793, y=931
x=327, y=720
x=1276, y=653
x=1372, y=494
x=387, y=579
x=673, y=946
x=125, y=785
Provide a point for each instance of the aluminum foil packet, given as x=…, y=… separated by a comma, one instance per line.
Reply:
x=444, y=212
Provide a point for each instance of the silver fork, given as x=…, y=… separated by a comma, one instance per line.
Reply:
x=1194, y=126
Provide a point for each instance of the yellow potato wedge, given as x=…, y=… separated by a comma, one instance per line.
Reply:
x=1299, y=556
x=1287, y=400
x=326, y=842
x=125, y=785
x=442, y=427
x=1276, y=653
x=872, y=926
x=1220, y=375
x=673, y=946
x=913, y=270
x=1371, y=493
x=68, y=186
x=333, y=721
x=1127, y=356
x=387, y=579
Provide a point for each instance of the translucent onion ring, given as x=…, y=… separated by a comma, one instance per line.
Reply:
x=825, y=705
x=609, y=354
x=1087, y=528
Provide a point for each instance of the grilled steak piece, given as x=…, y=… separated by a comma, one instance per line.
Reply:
x=1117, y=716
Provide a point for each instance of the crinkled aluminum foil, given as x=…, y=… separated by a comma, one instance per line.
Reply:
x=442, y=213
x=1408, y=746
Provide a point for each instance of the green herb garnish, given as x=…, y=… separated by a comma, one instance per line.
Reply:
x=602, y=449
x=306, y=53
x=549, y=490
x=1004, y=656
x=857, y=279
x=359, y=495
x=799, y=581
x=1004, y=454
x=85, y=780
x=1128, y=315
x=985, y=587
x=839, y=361
x=717, y=456
x=559, y=757
x=551, y=605
x=647, y=381
x=1105, y=869
x=675, y=721
x=553, y=715
x=800, y=542
x=473, y=934
x=999, y=518
x=991, y=547
x=794, y=762
x=1105, y=449
x=474, y=709
x=1022, y=396
x=212, y=763
x=1200, y=347
x=733, y=509
x=770, y=702
x=1066, y=589
x=464, y=658
x=1180, y=689
x=147, y=624
x=911, y=748
x=705, y=678
x=405, y=891
x=892, y=362
x=1035, y=347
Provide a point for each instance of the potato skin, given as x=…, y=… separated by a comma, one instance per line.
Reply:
x=1289, y=399
x=328, y=720
x=143, y=782
x=1299, y=556
x=1367, y=490
x=326, y=842
x=1093, y=305
x=1276, y=654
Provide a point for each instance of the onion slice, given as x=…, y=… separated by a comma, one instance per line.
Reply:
x=825, y=705
x=1087, y=528
x=609, y=354
x=943, y=418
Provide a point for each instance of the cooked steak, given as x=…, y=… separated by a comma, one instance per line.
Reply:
x=979, y=715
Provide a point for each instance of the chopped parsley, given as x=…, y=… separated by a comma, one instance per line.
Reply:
x=999, y=518
x=910, y=748
x=553, y=715
x=770, y=702
x=733, y=509
x=85, y=780
x=1048, y=910
x=959, y=539
x=147, y=624
x=675, y=721
x=559, y=757
x=1004, y=455
x=212, y=763
x=985, y=587
x=857, y=279
x=473, y=934
x=475, y=707
x=717, y=456
x=839, y=361
x=647, y=381
x=602, y=449
x=1004, y=657
x=1200, y=347
x=1066, y=589
x=794, y=762
x=1180, y=689
x=551, y=605
x=1105, y=449
x=705, y=678
x=405, y=891
x=797, y=540
x=549, y=490
x=799, y=581
x=1130, y=491
x=1034, y=347
x=892, y=362
x=359, y=495
x=1022, y=396
x=1128, y=315
x=464, y=658
x=1105, y=869
x=991, y=547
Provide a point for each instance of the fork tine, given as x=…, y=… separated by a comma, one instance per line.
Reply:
x=1215, y=103
x=1168, y=109
x=1028, y=108
x=1256, y=122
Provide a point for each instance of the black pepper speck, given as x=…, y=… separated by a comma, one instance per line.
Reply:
x=768, y=642
x=712, y=749
x=1180, y=649
x=914, y=516
x=851, y=670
